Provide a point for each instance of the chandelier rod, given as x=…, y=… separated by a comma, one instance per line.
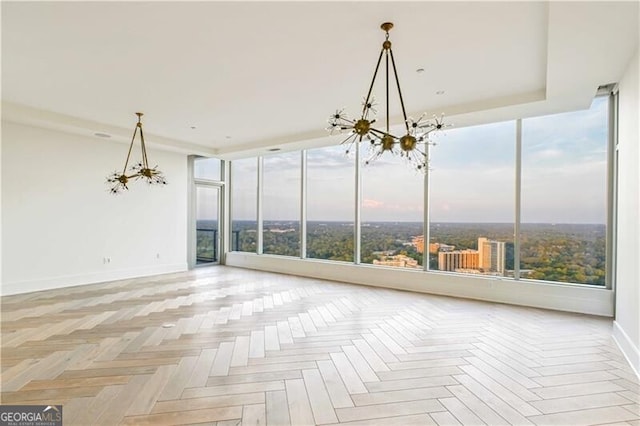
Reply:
x=133, y=138
x=145, y=161
x=373, y=80
x=395, y=73
x=387, y=83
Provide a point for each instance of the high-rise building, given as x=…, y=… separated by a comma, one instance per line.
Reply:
x=434, y=248
x=458, y=259
x=481, y=251
x=418, y=243
x=491, y=255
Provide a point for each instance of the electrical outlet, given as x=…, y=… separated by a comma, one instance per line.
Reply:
x=157, y=255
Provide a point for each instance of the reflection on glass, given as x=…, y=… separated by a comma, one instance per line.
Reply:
x=207, y=168
x=392, y=214
x=564, y=196
x=330, y=204
x=472, y=200
x=206, y=224
x=281, y=204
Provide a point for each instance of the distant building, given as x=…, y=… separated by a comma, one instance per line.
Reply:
x=491, y=255
x=398, y=261
x=437, y=247
x=489, y=259
x=418, y=243
x=281, y=231
x=457, y=259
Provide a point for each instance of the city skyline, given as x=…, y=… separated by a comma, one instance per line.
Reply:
x=567, y=253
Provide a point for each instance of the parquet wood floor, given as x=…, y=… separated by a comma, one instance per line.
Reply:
x=229, y=346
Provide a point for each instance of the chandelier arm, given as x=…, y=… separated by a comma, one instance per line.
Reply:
x=419, y=151
x=373, y=80
x=133, y=138
x=378, y=131
x=395, y=73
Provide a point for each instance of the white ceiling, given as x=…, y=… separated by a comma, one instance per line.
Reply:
x=254, y=75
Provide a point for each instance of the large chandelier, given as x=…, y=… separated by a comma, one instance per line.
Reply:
x=140, y=170
x=413, y=145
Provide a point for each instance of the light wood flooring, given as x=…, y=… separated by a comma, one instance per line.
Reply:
x=229, y=346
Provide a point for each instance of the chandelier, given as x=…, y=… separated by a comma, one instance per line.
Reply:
x=413, y=145
x=139, y=170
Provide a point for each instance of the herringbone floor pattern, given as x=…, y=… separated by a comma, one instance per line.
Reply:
x=229, y=346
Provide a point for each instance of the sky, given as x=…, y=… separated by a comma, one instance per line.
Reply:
x=564, y=169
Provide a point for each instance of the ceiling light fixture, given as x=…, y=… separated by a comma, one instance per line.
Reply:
x=140, y=170
x=413, y=145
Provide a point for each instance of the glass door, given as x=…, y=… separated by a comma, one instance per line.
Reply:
x=208, y=223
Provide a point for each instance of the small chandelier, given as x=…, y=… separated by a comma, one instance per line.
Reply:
x=413, y=145
x=140, y=170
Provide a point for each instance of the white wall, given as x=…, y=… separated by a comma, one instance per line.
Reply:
x=627, y=324
x=59, y=222
x=1, y=214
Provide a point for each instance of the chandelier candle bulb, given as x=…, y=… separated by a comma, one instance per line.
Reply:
x=408, y=143
x=387, y=142
x=413, y=145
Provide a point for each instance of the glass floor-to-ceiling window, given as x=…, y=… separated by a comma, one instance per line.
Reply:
x=281, y=204
x=244, y=205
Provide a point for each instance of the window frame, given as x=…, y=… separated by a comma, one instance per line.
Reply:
x=223, y=215
x=611, y=201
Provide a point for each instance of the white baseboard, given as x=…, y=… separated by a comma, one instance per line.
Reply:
x=561, y=297
x=630, y=351
x=19, y=287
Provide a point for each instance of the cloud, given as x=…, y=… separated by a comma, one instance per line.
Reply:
x=372, y=204
x=548, y=153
